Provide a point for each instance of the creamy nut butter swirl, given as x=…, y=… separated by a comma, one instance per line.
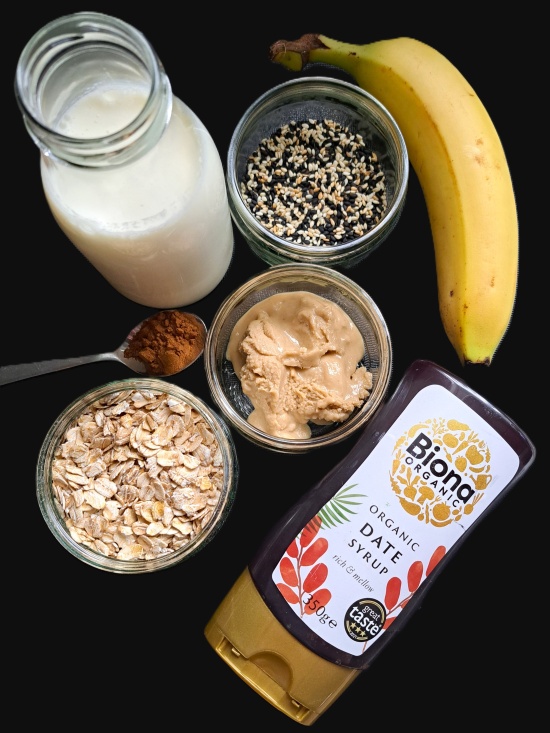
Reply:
x=298, y=356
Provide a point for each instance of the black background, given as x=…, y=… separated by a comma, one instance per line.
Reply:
x=130, y=651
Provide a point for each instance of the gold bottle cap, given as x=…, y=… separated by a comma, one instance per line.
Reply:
x=248, y=637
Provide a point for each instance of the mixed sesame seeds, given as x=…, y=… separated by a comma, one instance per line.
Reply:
x=315, y=183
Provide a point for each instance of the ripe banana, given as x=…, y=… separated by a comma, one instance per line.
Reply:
x=459, y=160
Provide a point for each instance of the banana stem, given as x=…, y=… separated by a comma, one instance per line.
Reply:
x=295, y=55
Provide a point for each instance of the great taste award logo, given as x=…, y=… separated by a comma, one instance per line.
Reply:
x=440, y=470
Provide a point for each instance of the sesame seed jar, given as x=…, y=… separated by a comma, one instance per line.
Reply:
x=136, y=476
x=317, y=172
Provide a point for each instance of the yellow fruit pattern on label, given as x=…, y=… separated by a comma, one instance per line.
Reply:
x=439, y=471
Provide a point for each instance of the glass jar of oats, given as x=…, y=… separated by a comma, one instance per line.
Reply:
x=136, y=476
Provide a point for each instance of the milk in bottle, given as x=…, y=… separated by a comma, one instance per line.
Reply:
x=131, y=175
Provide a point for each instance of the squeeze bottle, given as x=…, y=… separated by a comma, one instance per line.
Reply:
x=342, y=572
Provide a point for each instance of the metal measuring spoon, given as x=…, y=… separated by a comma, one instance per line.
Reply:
x=17, y=372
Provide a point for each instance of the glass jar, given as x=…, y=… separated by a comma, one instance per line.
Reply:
x=281, y=234
x=145, y=521
x=130, y=173
x=319, y=280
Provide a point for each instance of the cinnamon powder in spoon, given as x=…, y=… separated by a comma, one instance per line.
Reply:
x=166, y=342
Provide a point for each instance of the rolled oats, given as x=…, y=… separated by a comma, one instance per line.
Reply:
x=137, y=475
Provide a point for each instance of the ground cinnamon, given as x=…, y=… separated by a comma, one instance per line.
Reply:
x=167, y=342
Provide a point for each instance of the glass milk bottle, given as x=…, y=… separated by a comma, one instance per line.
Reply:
x=130, y=173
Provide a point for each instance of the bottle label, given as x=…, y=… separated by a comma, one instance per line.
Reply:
x=350, y=572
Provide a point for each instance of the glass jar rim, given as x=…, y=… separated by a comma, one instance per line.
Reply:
x=66, y=40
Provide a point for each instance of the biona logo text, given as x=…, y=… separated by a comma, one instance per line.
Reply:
x=440, y=470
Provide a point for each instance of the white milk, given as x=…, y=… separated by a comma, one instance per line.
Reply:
x=158, y=228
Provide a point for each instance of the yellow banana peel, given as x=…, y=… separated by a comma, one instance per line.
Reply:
x=460, y=163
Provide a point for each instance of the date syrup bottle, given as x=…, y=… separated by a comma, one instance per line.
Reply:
x=344, y=569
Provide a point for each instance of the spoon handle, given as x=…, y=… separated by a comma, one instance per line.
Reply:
x=17, y=372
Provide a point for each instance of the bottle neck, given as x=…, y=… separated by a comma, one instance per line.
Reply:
x=91, y=53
